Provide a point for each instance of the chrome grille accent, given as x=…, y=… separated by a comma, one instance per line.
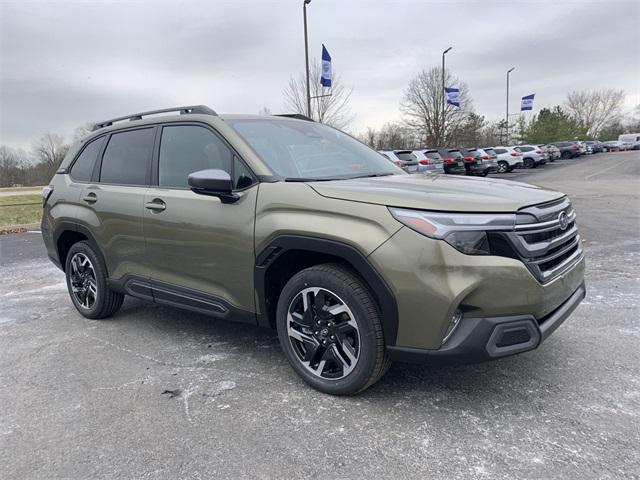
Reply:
x=539, y=240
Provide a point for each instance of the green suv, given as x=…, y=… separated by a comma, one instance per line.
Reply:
x=282, y=222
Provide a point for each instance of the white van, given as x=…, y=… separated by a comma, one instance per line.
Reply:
x=629, y=137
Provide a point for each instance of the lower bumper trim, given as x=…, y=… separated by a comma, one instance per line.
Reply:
x=480, y=339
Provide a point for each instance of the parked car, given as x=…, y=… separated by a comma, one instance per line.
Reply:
x=552, y=152
x=429, y=161
x=613, y=146
x=488, y=155
x=583, y=147
x=404, y=159
x=508, y=159
x=475, y=164
x=532, y=155
x=289, y=224
x=595, y=145
x=567, y=149
x=452, y=161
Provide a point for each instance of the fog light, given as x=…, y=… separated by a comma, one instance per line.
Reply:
x=455, y=321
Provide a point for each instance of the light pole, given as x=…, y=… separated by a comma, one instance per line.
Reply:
x=306, y=55
x=443, y=95
x=506, y=135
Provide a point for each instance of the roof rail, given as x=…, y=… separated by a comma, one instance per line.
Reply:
x=202, y=109
x=298, y=116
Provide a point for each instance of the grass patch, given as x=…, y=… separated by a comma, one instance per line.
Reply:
x=12, y=214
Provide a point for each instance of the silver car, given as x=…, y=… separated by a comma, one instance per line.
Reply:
x=429, y=161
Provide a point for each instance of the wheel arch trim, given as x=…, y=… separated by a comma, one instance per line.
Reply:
x=66, y=226
x=275, y=248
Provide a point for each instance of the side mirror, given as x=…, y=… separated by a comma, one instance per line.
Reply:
x=215, y=183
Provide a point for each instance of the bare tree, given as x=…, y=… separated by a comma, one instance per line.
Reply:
x=422, y=106
x=82, y=131
x=332, y=110
x=265, y=111
x=50, y=150
x=595, y=108
x=8, y=166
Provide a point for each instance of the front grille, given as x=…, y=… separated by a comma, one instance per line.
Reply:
x=542, y=244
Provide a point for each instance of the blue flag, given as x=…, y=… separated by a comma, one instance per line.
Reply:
x=325, y=79
x=453, y=96
x=527, y=102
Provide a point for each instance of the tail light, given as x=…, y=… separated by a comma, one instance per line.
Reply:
x=46, y=193
x=447, y=160
x=538, y=152
x=515, y=154
x=425, y=161
x=398, y=163
x=485, y=157
x=468, y=158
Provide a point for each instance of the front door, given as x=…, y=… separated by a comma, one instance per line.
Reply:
x=201, y=250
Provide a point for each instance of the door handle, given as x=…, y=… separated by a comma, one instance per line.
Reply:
x=157, y=205
x=90, y=198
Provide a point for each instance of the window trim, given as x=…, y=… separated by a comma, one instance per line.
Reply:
x=98, y=167
x=99, y=138
x=155, y=163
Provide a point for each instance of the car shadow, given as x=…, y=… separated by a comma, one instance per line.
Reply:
x=514, y=379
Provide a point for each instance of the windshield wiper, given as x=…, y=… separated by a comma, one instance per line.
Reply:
x=302, y=179
x=371, y=175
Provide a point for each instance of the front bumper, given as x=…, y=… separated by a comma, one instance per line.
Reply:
x=481, y=339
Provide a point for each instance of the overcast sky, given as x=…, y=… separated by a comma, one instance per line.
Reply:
x=67, y=63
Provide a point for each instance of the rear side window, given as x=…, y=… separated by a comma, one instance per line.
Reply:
x=185, y=149
x=126, y=157
x=525, y=149
x=500, y=151
x=82, y=168
x=406, y=156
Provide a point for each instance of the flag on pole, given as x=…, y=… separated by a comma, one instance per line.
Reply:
x=453, y=96
x=527, y=102
x=325, y=79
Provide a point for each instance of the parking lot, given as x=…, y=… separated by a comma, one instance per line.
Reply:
x=156, y=392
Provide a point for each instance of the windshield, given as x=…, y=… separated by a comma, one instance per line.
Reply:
x=304, y=150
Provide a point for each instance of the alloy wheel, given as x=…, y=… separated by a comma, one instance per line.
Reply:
x=84, y=285
x=323, y=333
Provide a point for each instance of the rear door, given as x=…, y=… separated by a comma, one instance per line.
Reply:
x=201, y=249
x=111, y=205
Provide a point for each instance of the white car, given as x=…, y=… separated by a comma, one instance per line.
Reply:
x=532, y=155
x=405, y=159
x=429, y=160
x=508, y=159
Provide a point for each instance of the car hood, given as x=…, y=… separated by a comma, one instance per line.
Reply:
x=438, y=192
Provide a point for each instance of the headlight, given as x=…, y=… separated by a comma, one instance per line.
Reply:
x=464, y=231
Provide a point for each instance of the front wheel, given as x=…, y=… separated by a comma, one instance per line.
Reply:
x=330, y=330
x=503, y=167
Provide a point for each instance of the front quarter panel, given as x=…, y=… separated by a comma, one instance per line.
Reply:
x=296, y=209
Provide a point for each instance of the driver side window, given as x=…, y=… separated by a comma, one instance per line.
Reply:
x=185, y=149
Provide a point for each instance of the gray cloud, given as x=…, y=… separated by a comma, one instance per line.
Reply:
x=66, y=63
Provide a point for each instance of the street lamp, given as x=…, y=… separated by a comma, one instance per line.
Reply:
x=443, y=94
x=506, y=139
x=306, y=55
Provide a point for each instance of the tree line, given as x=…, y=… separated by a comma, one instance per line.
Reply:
x=588, y=114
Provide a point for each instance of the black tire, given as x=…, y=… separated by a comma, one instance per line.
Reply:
x=106, y=301
x=566, y=155
x=372, y=362
x=529, y=163
x=503, y=167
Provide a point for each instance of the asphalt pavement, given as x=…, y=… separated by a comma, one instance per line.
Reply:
x=156, y=392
